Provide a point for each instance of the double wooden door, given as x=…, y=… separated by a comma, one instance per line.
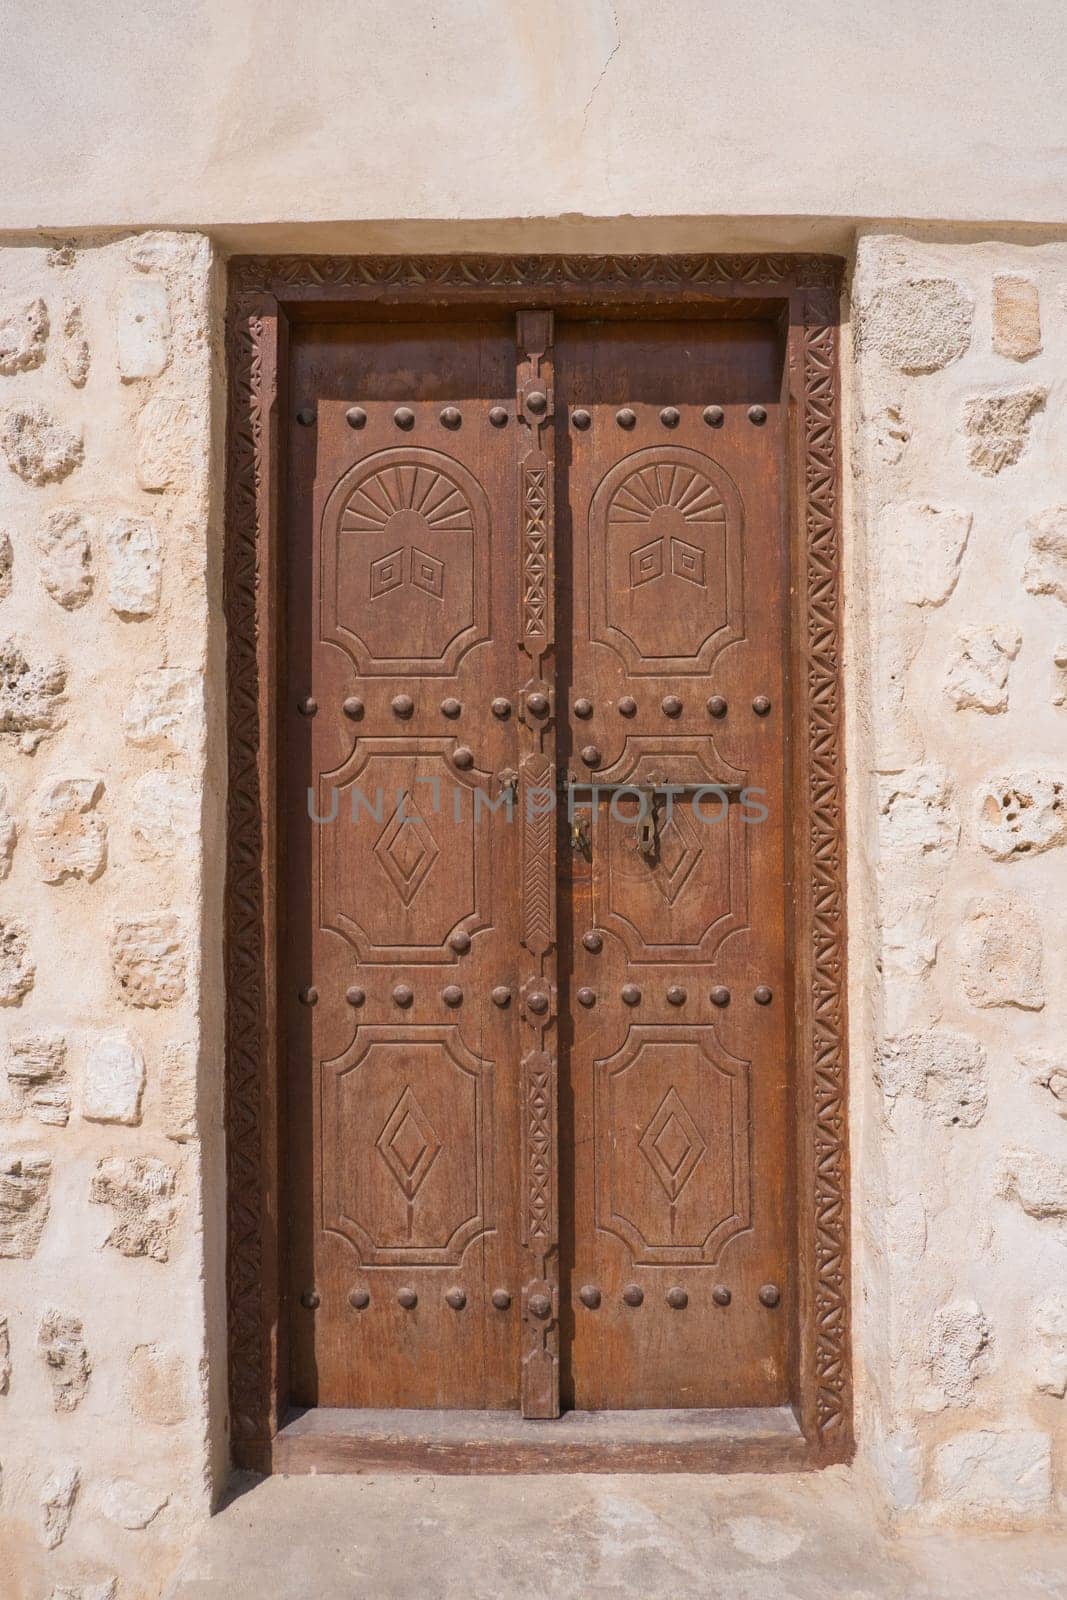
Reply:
x=535, y=889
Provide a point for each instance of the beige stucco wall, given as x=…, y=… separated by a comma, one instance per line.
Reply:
x=111, y=1191
x=259, y=112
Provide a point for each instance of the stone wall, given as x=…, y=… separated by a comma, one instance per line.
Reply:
x=957, y=629
x=110, y=861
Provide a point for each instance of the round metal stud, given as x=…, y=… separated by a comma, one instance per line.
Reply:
x=626, y=418
x=356, y=417
x=676, y=995
x=761, y=705
x=589, y=1295
x=714, y=416
x=537, y=402
x=501, y=995
x=352, y=707
x=305, y=418
x=456, y=1299
x=633, y=1294
x=460, y=941
x=591, y=755
x=498, y=416
x=537, y=1002
x=359, y=1299
x=670, y=416
x=581, y=418
x=308, y=706
x=407, y=1298
x=309, y=996
x=310, y=1300
x=671, y=705
x=720, y=996
x=403, y=705
x=583, y=708
x=462, y=757
x=762, y=995
x=403, y=994
x=450, y=707
x=537, y=703
x=501, y=1299
x=593, y=941
x=452, y=994
x=631, y=994
x=451, y=417
x=627, y=706
x=770, y=1295
x=677, y=1299
x=721, y=1295
x=716, y=705
x=587, y=997
x=540, y=1305
x=500, y=707
x=355, y=995
x=758, y=415
x=404, y=417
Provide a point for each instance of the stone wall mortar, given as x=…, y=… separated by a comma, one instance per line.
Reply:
x=111, y=790
x=957, y=627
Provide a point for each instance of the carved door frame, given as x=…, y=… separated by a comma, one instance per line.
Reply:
x=265, y=296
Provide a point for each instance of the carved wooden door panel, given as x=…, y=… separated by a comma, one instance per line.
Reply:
x=676, y=1078
x=516, y=554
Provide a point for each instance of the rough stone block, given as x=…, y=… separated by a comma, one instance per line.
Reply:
x=7, y=565
x=5, y=1357
x=1059, y=662
x=17, y=967
x=1021, y=813
x=69, y=839
x=977, y=676
x=997, y=427
x=37, y=1072
x=61, y=1343
x=134, y=567
x=166, y=710
x=1052, y=1077
x=921, y=548
x=66, y=557
x=1037, y=1183
x=58, y=1495
x=142, y=328
x=114, y=1080
x=164, y=815
x=38, y=448
x=1016, y=317
x=917, y=324
x=958, y=1353
x=148, y=955
x=30, y=697
x=131, y=1505
x=74, y=346
x=1003, y=1473
x=178, y=1092
x=919, y=817
x=1001, y=958
x=141, y=1191
x=157, y=1385
x=165, y=443
x=106, y=1589
x=23, y=337
x=25, y=1188
x=1046, y=564
x=1050, y=1331
x=945, y=1072
x=8, y=834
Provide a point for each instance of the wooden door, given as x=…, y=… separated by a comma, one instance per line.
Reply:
x=519, y=558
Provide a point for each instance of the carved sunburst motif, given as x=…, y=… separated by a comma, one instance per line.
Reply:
x=672, y=486
x=390, y=491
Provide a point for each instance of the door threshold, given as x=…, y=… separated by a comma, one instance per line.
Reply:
x=339, y=1440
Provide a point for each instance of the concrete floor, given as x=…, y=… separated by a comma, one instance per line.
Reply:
x=810, y=1537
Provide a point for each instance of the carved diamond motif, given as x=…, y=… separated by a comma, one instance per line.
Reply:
x=672, y=1144
x=646, y=563
x=408, y=1144
x=679, y=852
x=386, y=573
x=406, y=849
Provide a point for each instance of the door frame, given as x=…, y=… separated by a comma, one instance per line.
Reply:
x=266, y=295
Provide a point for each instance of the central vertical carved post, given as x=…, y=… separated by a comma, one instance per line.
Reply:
x=537, y=791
